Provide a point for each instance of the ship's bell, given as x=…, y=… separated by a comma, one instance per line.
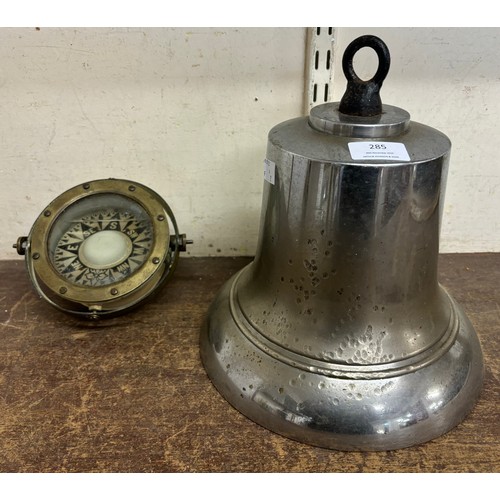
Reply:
x=338, y=334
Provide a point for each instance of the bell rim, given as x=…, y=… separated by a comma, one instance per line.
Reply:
x=236, y=371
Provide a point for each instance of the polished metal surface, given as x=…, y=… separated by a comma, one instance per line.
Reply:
x=342, y=412
x=339, y=334
x=327, y=118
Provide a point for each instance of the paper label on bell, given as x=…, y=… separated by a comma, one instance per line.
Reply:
x=269, y=169
x=393, y=151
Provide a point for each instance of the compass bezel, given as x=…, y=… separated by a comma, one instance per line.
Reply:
x=105, y=297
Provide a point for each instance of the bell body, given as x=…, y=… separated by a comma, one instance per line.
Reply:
x=338, y=334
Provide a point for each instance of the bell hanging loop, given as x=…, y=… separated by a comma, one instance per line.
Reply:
x=362, y=98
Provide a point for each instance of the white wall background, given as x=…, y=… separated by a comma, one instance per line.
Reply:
x=187, y=111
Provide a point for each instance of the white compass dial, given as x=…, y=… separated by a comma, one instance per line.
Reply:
x=103, y=247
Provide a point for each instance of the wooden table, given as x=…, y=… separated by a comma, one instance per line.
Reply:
x=131, y=395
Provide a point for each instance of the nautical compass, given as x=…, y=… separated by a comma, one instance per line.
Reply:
x=102, y=247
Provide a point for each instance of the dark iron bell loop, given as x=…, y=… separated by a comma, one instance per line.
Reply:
x=339, y=334
x=362, y=98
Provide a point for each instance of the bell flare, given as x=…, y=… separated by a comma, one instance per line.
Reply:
x=335, y=405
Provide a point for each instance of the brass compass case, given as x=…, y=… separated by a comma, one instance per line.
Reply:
x=102, y=247
x=338, y=334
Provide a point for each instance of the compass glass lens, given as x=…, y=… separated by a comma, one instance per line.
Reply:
x=100, y=239
x=105, y=249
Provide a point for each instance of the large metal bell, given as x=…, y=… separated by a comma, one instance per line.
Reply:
x=338, y=334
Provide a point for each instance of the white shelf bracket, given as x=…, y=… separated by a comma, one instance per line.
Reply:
x=319, y=66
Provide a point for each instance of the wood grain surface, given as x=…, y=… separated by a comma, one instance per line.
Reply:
x=130, y=394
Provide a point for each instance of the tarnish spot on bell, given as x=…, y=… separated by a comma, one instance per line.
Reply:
x=364, y=349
